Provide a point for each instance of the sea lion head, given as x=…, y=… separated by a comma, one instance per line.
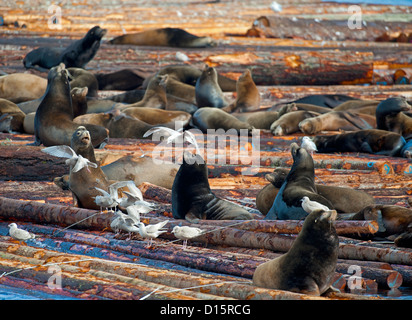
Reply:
x=392, y=106
x=209, y=72
x=80, y=138
x=301, y=159
x=319, y=227
x=307, y=126
x=277, y=177
x=96, y=33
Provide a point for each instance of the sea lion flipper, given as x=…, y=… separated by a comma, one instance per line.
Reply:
x=365, y=147
x=191, y=217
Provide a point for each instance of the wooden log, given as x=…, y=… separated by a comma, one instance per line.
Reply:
x=157, y=193
x=322, y=29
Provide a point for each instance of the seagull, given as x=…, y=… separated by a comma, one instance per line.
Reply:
x=135, y=210
x=276, y=7
x=123, y=222
x=152, y=231
x=309, y=205
x=76, y=162
x=185, y=233
x=308, y=145
x=19, y=234
x=106, y=200
x=174, y=134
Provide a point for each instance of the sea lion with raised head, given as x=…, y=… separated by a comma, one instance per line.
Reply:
x=192, y=198
x=390, y=116
x=77, y=55
x=309, y=265
x=207, y=90
x=53, y=122
x=299, y=182
x=82, y=78
x=165, y=37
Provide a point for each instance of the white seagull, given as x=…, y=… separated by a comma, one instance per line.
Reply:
x=174, y=134
x=152, y=231
x=105, y=200
x=123, y=222
x=186, y=233
x=76, y=162
x=309, y=145
x=19, y=234
x=309, y=205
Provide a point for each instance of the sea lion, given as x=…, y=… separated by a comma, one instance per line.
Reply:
x=118, y=124
x=343, y=199
x=356, y=104
x=337, y=120
x=141, y=169
x=309, y=265
x=125, y=79
x=192, y=198
x=213, y=118
x=406, y=150
x=299, y=182
x=390, y=116
x=20, y=87
x=154, y=97
x=261, y=119
x=53, y=122
x=325, y=100
x=82, y=78
x=157, y=116
x=392, y=219
x=289, y=122
x=208, y=92
x=11, y=117
x=368, y=141
x=77, y=55
x=247, y=94
x=301, y=106
x=178, y=89
x=83, y=183
x=189, y=75
x=165, y=37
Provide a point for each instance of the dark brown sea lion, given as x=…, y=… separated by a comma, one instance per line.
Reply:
x=369, y=141
x=208, y=92
x=325, y=100
x=337, y=120
x=82, y=78
x=390, y=116
x=20, y=87
x=299, y=182
x=169, y=37
x=309, y=265
x=343, y=199
x=11, y=117
x=53, y=122
x=125, y=79
x=77, y=55
x=289, y=122
x=247, y=94
x=214, y=118
x=192, y=198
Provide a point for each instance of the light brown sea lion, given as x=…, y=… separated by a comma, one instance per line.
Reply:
x=289, y=122
x=302, y=106
x=189, y=75
x=214, y=118
x=20, y=87
x=142, y=169
x=356, y=104
x=53, y=122
x=158, y=116
x=247, y=94
x=337, y=120
x=169, y=37
x=309, y=265
x=179, y=89
x=11, y=117
x=260, y=119
x=208, y=92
